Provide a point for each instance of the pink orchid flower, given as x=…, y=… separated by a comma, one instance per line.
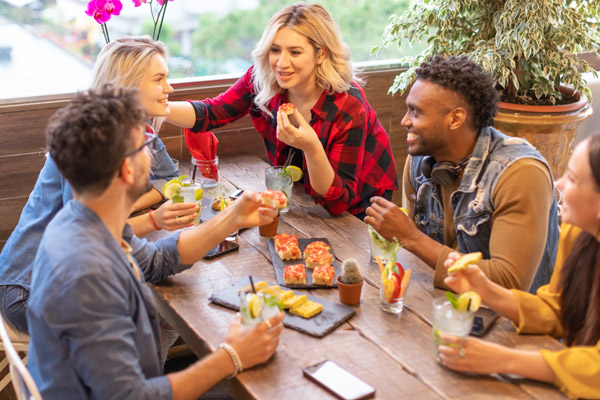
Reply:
x=138, y=3
x=161, y=2
x=102, y=10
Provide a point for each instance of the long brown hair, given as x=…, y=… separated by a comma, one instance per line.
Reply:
x=580, y=278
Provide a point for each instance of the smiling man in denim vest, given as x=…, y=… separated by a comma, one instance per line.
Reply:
x=469, y=186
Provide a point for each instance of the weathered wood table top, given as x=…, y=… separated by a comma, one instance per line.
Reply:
x=392, y=353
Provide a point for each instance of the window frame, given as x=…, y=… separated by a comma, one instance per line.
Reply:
x=181, y=86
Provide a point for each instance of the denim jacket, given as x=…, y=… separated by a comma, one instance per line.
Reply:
x=50, y=194
x=472, y=202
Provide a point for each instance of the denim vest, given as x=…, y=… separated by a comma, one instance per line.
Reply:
x=472, y=202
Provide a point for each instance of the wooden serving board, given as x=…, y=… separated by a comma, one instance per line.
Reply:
x=332, y=316
x=279, y=265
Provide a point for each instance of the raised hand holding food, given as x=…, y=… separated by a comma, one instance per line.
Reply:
x=464, y=261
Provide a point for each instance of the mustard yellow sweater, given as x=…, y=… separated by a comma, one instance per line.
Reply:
x=577, y=368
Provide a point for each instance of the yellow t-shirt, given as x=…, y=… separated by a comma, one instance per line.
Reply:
x=577, y=368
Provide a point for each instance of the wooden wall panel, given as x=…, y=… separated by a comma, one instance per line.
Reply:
x=19, y=173
x=22, y=138
x=9, y=216
x=23, y=132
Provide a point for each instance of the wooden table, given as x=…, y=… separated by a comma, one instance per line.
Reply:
x=392, y=353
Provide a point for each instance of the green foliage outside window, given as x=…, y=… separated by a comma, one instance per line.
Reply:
x=222, y=39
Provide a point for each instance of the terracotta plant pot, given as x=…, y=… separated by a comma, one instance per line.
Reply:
x=349, y=293
x=550, y=129
x=269, y=230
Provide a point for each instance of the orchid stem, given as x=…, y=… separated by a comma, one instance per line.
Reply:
x=105, y=32
x=163, y=9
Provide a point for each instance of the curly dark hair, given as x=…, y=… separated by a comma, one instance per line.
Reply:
x=469, y=80
x=89, y=138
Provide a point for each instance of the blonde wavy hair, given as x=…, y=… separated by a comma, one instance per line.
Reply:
x=314, y=22
x=124, y=62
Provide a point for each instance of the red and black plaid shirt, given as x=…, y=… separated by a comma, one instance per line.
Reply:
x=356, y=144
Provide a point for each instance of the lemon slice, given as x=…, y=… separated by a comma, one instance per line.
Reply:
x=404, y=210
x=294, y=172
x=461, y=263
x=254, y=306
x=199, y=193
x=172, y=189
x=468, y=301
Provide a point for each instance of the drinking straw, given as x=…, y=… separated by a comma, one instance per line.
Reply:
x=290, y=156
x=252, y=284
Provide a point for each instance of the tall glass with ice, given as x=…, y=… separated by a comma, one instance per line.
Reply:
x=192, y=192
x=257, y=307
x=450, y=321
x=277, y=179
x=381, y=247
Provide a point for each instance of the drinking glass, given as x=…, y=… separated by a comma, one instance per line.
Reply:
x=277, y=179
x=206, y=171
x=381, y=247
x=176, y=164
x=267, y=304
x=450, y=321
x=393, y=304
x=192, y=193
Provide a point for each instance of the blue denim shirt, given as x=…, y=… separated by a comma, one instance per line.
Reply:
x=472, y=202
x=50, y=194
x=93, y=324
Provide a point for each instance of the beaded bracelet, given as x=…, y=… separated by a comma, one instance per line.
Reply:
x=152, y=220
x=237, y=363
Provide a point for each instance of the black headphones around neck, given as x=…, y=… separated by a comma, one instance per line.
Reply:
x=443, y=173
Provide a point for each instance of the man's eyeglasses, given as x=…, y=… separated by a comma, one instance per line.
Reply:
x=149, y=143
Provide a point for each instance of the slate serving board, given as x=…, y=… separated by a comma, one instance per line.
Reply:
x=279, y=265
x=332, y=316
x=207, y=210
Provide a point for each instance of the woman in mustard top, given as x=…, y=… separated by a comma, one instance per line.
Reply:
x=568, y=307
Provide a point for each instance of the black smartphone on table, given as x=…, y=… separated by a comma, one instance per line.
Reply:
x=226, y=246
x=483, y=321
x=236, y=195
x=338, y=381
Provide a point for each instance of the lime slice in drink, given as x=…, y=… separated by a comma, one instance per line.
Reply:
x=172, y=189
x=199, y=193
x=254, y=305
x=294, y=172
x=468, y=301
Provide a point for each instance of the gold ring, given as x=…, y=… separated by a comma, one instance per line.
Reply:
x=268, y=324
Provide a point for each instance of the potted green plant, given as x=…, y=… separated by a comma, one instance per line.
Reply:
x=350, y=282
x=529, y=47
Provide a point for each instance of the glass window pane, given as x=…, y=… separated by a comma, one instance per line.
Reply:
x=48, y=47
